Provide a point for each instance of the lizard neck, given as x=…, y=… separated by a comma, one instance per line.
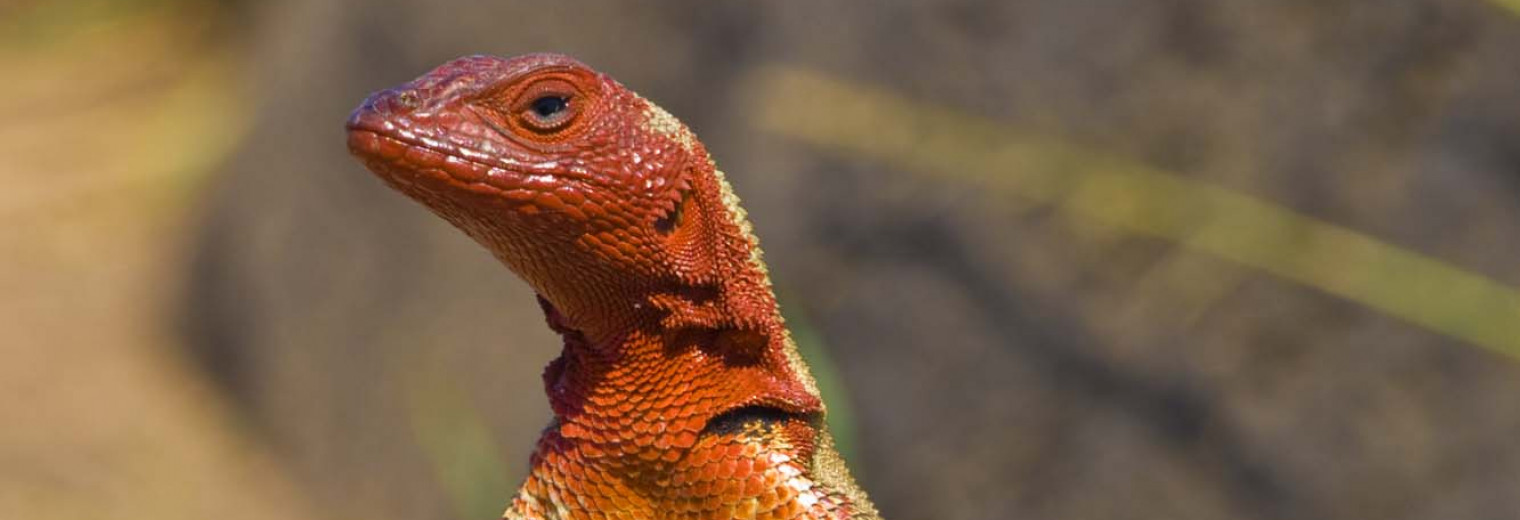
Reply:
x=684, y=350
x=657, y=389
x=698, y=398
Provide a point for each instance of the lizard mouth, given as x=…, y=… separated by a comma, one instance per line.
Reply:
x=405, y=149
x=404, y=159
x=444, y=163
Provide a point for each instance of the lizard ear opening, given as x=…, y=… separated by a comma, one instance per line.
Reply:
x=666, y=224
x=684, y=230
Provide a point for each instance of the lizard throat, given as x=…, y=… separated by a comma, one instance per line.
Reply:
x=651, y=388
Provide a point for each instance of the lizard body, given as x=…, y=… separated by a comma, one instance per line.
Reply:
x=679, y=393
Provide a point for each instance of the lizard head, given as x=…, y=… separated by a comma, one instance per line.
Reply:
x=586, y=190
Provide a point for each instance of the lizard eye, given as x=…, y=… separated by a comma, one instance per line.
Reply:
x=548, y=113
x=547, y=106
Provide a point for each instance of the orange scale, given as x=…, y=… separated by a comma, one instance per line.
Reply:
x=591, y=479
x=599, y=503
x=709, y=479
x=694, y=458
x=533, y=486
x=594, y=438
x=684, y=439
x=753, y=487
x=699, y=504
x=775, y=480
x=771, y=514
x=742, y=469
x=680, y=479
x=574, y=212
x=727, y=469
x=713, y=489
x=570, y=195
x=697, y=406
x=645, y=441
x=692, y=425
x=787, y=510
x=636, y=396
x=746, y=508
x=770, y=499
x=576, y=429
x=549, y=201
x=621, y=502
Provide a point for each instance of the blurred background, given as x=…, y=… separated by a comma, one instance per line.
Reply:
x=1053, y=259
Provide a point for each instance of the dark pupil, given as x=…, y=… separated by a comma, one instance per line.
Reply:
x=547, y=106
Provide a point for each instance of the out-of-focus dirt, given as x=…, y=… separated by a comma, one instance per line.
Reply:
x=102, y=416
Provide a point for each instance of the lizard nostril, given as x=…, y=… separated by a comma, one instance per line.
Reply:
x=408, y=100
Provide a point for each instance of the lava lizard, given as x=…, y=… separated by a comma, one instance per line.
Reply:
x=679, y=393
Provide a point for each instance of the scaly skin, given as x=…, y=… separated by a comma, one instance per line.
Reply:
x=679, y=393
